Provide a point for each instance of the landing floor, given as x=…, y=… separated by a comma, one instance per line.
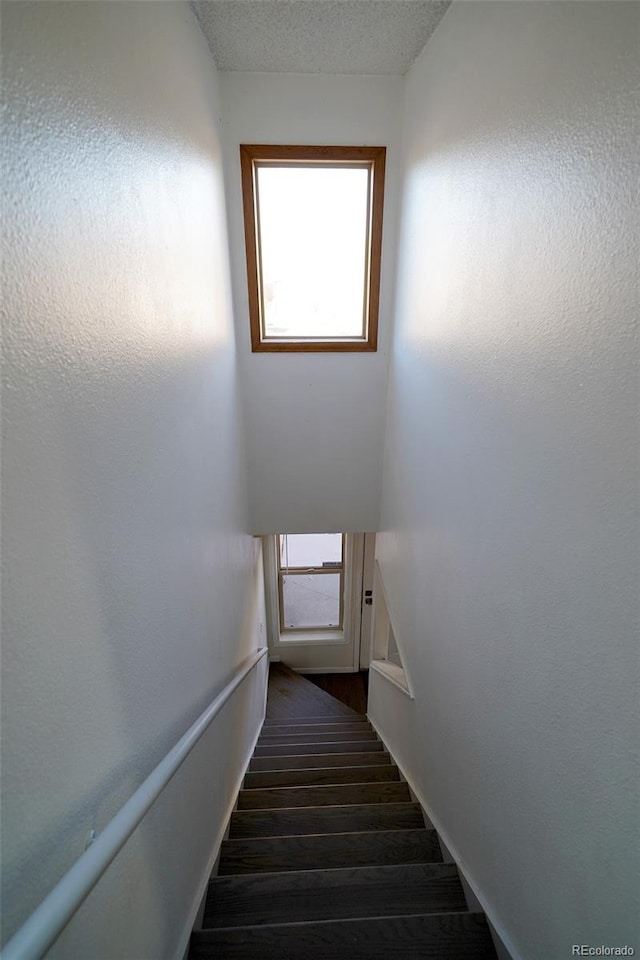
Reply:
x=349, y=688
x=291, y=696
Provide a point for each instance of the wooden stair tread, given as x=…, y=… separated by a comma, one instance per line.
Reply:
x=323, y=736
x=296, y=821
x=282, y=729
x=327, y=856
x=329, y=746
x=333, y=894
x=445, y=936
x=264, y=779
x=311, y=852
x=270, y=723
x=331, y=795
x=324, y=760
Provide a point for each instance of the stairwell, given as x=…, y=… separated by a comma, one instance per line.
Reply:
x=328, y=856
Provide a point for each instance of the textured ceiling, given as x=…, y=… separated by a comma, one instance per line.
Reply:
x=318, y=36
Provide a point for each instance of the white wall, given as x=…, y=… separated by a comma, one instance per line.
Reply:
x=129, y=586
x=314, y=422
x=510, y=540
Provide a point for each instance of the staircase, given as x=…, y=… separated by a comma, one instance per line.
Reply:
x=328, y=857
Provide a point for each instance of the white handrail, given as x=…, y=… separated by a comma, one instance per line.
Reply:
x=48, y=920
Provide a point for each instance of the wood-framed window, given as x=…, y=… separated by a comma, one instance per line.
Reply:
x=310, y=582
x=313, y=234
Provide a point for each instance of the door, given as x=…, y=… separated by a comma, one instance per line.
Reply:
x=314, y=600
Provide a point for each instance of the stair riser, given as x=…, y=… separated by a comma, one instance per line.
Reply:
x=308, y=721
x=329, y=851
x=328, y=796
x=332, y=775
x=310, y=761
x=386, y=874
x=316, y=820
x=324, y=737
x=327, y=857
x=302, y=749
x=453, y=936
x=319, y=728
x=278, y=902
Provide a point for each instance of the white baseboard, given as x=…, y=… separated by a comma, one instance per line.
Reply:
x=197, y=908
x=475, y=899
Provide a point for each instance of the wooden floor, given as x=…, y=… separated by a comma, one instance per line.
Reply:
x=289, y=699
x=349, y=688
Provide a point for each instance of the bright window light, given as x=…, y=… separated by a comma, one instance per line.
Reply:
x=313, y=226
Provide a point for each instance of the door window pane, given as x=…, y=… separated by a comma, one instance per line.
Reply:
x=311, y=600
x=310, y=549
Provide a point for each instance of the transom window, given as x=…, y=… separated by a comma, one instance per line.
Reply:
x=313, y=232
x=311, y=581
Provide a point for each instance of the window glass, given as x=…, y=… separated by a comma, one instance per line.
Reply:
x=312, y=228
x=311, y=600
x=310, y=549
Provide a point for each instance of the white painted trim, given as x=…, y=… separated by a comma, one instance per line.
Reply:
x=366, y=616
x=394, y=674
x=183, y=950
x=353, y=593
x=271, y=593
x=383, y=622
x=310, y=638
x=503, y=944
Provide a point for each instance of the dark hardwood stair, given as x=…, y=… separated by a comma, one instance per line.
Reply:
x=313, y=721
x=282, y=729
x=346, y=759
x=324, y=736
x=317, y=776
x=436, y=936
x=328, y=746
x=303, y=821
x=269, y=854
x=327, y=856
x=296, y=896
x=325, y=794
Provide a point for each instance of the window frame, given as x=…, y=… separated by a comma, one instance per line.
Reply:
x=252, y=156
x=282, y=572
